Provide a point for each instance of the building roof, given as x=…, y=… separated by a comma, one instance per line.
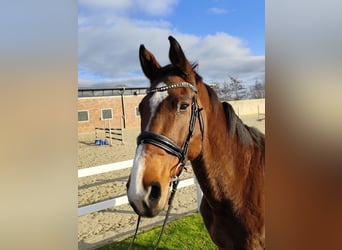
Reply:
x=111, y=91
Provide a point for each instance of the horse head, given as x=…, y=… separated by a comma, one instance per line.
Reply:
x=171, y=129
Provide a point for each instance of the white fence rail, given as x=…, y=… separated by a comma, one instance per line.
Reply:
x=84, y=172
x=121, y=200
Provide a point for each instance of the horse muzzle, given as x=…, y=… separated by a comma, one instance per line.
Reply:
x=146, y=203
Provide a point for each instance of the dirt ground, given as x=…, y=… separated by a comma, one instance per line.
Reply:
x=100, y=228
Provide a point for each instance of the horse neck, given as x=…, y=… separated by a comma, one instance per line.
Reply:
x=216, y=131
x=221, y=169
x=230, y=172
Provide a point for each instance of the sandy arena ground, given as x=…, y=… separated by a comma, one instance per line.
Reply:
x=101, y=228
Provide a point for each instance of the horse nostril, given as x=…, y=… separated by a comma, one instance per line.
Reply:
x=155, y=191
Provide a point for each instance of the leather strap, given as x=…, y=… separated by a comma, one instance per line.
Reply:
x=160, y=141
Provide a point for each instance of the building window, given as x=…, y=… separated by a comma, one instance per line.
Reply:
x=106, y=114
x=137, y=112
x=83, y=116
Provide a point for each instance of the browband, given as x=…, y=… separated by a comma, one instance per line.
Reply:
x=172, y=86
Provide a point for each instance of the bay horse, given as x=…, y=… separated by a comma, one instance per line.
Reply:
x=182, y=119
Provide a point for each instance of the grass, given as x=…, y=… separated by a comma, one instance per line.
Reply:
x=185, y=233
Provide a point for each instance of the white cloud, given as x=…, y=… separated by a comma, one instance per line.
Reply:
x=109, y=44
x=153, y=8
x=221, y=55
x=113, y=51
x=157, y=8
x=118, y=5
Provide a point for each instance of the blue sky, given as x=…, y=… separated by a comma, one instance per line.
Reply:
x=223, y=37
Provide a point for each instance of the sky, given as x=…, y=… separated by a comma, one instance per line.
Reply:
x=225, y=38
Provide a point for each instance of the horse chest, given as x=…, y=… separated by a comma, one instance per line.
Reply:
x=225, y=229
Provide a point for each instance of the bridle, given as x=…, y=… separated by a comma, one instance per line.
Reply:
x=161, y=141
x=147, y=137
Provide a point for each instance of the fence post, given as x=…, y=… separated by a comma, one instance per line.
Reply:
x=110, y=133
x=199, y=193
x=122, y=130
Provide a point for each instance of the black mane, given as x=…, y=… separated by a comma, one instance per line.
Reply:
x=246, y=135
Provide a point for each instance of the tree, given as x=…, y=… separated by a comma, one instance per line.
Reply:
x=233, y=89
x=236, y=90
x=223, y=91
x=257, y=91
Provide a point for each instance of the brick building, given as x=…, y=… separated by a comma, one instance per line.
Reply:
x=118, y=107
x=104, y=107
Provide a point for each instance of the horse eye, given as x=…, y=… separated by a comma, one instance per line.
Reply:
x=183, y=106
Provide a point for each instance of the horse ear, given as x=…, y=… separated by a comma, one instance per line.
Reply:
x=177, y=56
x=148, y=62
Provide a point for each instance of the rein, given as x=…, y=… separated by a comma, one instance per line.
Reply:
x=147, y=137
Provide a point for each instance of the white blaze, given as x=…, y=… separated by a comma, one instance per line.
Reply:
x=155, y=101
x=136, y=191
